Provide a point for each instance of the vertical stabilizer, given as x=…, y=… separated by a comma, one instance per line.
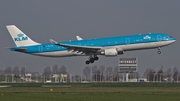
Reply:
x=19, y=38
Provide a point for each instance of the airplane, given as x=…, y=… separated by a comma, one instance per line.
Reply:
x=109, y=47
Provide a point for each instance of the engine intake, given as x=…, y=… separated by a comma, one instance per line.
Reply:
x=110, y=52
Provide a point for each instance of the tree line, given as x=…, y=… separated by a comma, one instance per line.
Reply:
x=171, y=74
x=100, y=73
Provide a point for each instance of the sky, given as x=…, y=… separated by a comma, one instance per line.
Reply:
x=62, y=20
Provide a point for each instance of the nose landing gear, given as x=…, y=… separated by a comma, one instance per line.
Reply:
x=92, y=59
x=159, y=51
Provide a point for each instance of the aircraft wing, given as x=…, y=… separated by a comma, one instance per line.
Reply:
x=77, y=48
x=80, y=47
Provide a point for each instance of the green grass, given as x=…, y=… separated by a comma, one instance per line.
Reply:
x=91, y=94
x=96, y=84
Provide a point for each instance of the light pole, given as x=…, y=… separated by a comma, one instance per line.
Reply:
x=80, y=76
x=44, y=78
x=25, y=74
x=154, y=76
x=157, y=77
x=6, y=77
x=160, y=76
x=148, y=77
x=177, y=77
x=12, y=77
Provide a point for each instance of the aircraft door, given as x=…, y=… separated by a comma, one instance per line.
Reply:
x=127, y=41
x=159, y=38
x=40, y=48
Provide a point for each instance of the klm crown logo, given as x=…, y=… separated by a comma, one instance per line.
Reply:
x=147, y=37
x=20, y=37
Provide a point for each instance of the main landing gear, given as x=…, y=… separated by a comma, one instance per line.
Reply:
x=92, y=59
x=159, y=51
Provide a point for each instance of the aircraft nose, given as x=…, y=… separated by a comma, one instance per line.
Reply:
x=174, y=39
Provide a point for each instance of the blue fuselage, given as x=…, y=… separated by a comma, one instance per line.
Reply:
x=126, y=43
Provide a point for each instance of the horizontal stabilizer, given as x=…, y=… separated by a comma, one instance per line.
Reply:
x=19, y=49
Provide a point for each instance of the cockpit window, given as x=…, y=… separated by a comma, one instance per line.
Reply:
x=169, y=37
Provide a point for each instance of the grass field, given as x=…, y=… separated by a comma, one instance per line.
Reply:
x=91, y=94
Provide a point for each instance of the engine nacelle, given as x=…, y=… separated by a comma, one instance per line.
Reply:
x=110, y=52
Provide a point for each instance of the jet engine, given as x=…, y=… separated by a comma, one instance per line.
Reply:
x=110, y=52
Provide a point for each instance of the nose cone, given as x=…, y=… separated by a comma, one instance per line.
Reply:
x=172, y=40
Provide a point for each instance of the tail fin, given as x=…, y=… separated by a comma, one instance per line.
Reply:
x=19, y=38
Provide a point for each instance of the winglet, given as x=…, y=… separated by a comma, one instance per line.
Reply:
x=53, y=42
x=78, y=38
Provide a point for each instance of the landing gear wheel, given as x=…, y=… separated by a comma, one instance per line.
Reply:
x=87, y=62
x=159, y=52
x=92, y=60
x=96, y=58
